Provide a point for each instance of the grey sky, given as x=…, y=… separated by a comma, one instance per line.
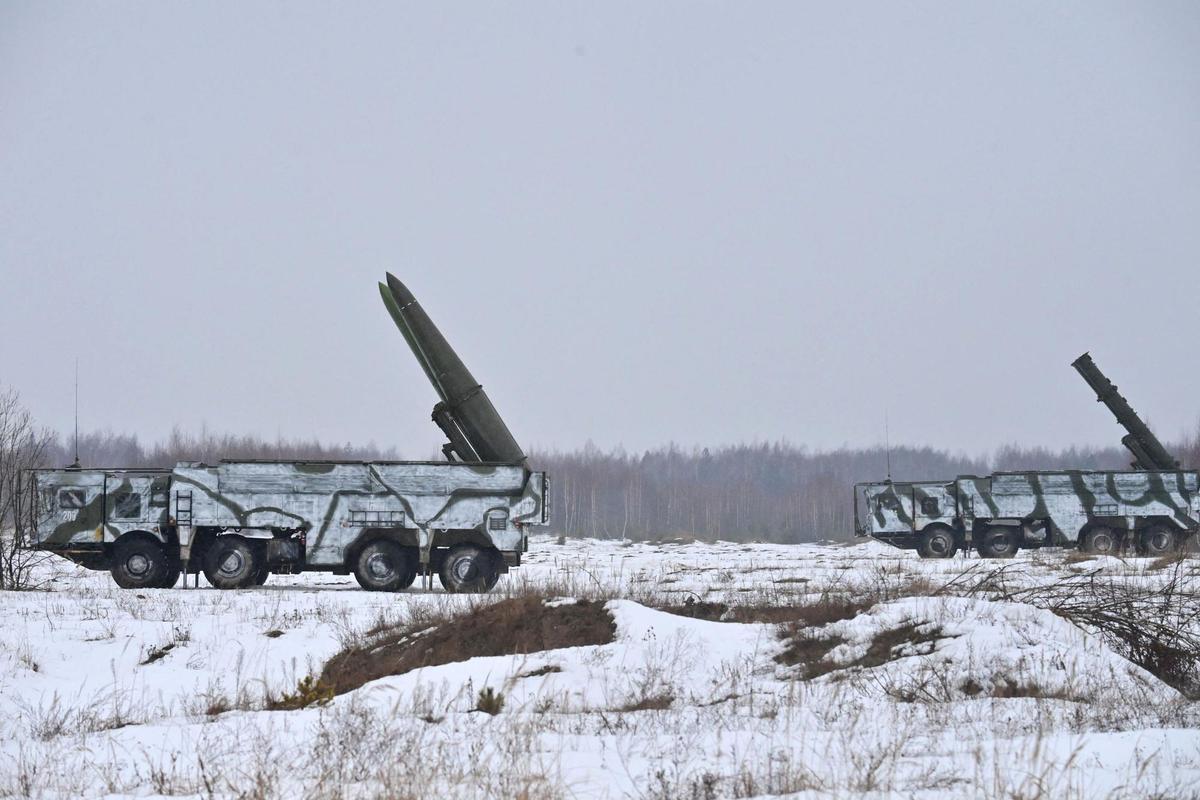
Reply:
x=636, y=222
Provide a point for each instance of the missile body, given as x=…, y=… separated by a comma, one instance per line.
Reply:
x=465, y=414
x=1148, y=451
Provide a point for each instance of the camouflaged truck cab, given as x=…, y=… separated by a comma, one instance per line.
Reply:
x=910, y=515
x=239, y=521
x=1150, y=511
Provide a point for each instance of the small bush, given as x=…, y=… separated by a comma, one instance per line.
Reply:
x=309, y=692
x=490, y=701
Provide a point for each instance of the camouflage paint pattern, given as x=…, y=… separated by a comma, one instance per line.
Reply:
x=902, y=508
x=1062, y=504
x=330, y=503
x=98, y=519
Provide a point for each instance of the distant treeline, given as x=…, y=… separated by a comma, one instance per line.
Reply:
x=772, y=492
x=107, y=449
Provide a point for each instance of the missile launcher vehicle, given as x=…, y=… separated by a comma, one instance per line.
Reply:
x=1154, y=507
x=465, y=519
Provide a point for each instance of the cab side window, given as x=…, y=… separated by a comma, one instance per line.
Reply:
x=71, y=499
x=127, y=505
x=929, y=507
x=888, y=502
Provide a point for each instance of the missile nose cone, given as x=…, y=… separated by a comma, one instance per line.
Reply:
x=403, y=296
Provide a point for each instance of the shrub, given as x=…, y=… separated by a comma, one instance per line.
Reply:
x=490, y=701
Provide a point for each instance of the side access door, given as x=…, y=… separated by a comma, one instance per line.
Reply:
x=933, y=504
x=135, y=501
x=893, y=511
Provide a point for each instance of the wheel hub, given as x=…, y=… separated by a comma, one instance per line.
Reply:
x=137, y=564
x=379, y=566
x=232, y=564
x=465, y=570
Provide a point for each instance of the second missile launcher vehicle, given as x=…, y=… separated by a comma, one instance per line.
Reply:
x=1154, y=507
x=386, y=522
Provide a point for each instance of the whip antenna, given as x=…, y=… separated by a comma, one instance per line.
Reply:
x=76, y=465
x=887, y=446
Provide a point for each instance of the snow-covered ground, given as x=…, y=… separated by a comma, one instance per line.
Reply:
x=105, y=692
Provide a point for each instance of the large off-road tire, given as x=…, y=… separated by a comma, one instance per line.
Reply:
x=468, y=569
x=231, y=563
x=998, y=541
x=139, y=563
x=937, y=542
x=1100, y=540
x=384, y=566
x=1158, y=540
x=170, y=575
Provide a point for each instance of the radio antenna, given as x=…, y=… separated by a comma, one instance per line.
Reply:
x=76, y=465
x=887, y=445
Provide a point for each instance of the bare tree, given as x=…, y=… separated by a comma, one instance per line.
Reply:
x=23, y=446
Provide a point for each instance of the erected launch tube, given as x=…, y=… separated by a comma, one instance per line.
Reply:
x=1148, y=451
x=465, y=414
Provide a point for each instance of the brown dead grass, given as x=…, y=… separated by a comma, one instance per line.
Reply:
x=808, y=653
x=808, y=649
x=806, y=614
x=655, y=702
x=1013, y=689
x=514, y=626
x=1168, y=561
x=908, y=637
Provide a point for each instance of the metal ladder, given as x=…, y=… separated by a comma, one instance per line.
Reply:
x=183, y=523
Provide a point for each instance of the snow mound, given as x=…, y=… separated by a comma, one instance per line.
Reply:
x=951, y=648
x=656, y=659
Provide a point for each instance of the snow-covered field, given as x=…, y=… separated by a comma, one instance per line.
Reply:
x=105, y=692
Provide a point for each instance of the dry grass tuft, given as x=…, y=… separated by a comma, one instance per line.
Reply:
x=660, y=701
x=309, y=692
x=1168, y=561
x=1010, y=688
x=814, y=612
x=489, y=701
x=809, y=649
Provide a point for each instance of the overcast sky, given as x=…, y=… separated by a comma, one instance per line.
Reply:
x=637, y=222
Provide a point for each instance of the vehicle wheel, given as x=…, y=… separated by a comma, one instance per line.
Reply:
x=937, y=543
x=468, y=568
x=998, y=541
x=170, y=575
x=384, y=566
x=1158, y=540
x=231, y=563
x=262, y=576
x=409, y=579
x=1100, y=540
x=139, y=564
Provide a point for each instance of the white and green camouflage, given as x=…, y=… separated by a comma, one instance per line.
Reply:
x=1046, y=507
x=325, y=506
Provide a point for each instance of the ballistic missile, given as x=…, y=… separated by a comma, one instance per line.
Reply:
x=465, y=414
x=1148, y=451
